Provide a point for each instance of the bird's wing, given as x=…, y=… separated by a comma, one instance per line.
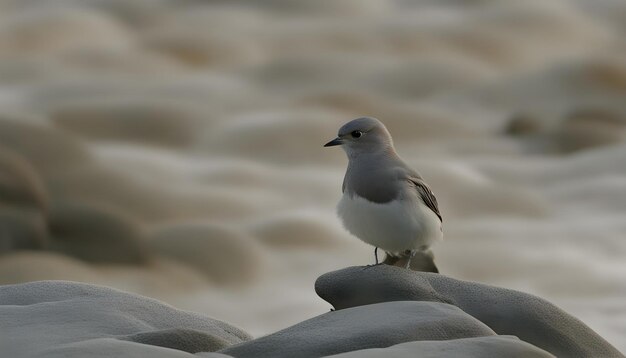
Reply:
x=427, y=195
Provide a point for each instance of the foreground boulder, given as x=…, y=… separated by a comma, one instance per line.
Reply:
x=476, y=347
x=68, y=319
x=372, y=326
x=507, y=312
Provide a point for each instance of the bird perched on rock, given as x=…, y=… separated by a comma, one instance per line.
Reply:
x=386, y=203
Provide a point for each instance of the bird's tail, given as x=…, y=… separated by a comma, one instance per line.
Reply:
x=422, y=261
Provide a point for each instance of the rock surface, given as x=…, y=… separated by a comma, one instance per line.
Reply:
x=372, y=326
x=382, y=311
x=223, y=255
x=95, y=234
x=478, y=347
x=68, y=319
x=507, y=312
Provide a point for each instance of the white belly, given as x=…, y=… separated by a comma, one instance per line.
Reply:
x=394, y=226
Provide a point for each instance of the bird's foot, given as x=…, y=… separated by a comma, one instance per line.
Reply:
x=372, y=265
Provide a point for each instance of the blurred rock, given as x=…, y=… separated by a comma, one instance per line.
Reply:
x=156, y=123
x=22, y=229
x=295, y=231
x=276, y=137
x=607, y=72
x=47, y=149
x=589, y=128
x=507, y=312
x=203, y=49
x=23, y=204
x=523, y=124
x=98, y=321
x=222, y=254
x=20, y=184
x=420, y=79
x=26, y=266
x=373, y=326
x=149, y=198
x=48, y=31
x=95, y=234
x=406, y=122
x=345, y=8
x=486, y=199
x=478, y=347
x=195, y=36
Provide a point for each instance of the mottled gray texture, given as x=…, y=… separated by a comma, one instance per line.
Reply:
x=476, y=347
x=373, y=326
x=507, y=312
x=183, y=339
x=68, y=319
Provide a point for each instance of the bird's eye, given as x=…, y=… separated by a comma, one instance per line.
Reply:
x=356, y=134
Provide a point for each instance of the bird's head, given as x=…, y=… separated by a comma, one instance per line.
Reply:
x=362, y=135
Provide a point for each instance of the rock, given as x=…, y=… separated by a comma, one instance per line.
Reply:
x=478, y=347
x=248, y=136
x=295, y=231
x=111, y=347
x=20, y=184
x=95, y=321
x=507, y=312
x=25, y=266
x=373, y=326
x=524, y=124
x=51, y=31
x=47, y=149
x=222, y=254
x=587, y=128
x=21, y=229
x=188, y=340
x=136, y=121
x=408, y=122
x=426, y=77
x=197, y=48
x=23, y=204
x=149, y=197
x=96, y=234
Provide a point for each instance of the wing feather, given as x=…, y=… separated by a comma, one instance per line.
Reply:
x=427, y=196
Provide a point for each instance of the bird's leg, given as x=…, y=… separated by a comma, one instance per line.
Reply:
x=376, y=254
x=411, y=255
x=375, y=258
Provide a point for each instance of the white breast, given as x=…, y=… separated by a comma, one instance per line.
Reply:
x=404, y=224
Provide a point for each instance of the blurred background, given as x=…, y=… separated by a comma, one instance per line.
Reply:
x=174, y=148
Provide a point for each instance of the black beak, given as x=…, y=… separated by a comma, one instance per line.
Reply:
x=336, y=141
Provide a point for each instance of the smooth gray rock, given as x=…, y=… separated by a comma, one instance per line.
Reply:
x=477, y=347
x=507, y=312
x=188, y=340
x=372, y=326
x=69, y=319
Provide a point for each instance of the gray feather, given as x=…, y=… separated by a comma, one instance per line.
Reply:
x=427, y=195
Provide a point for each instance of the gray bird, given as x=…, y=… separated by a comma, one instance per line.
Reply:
x=386, y=203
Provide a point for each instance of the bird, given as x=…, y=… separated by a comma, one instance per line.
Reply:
x=385, y=202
